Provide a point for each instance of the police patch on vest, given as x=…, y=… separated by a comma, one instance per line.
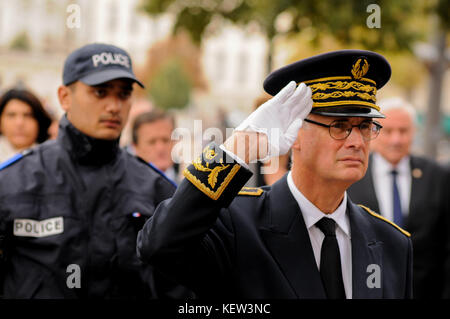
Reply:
x=38, y=228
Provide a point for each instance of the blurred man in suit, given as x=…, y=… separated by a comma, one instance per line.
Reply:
x=412, y=191
x=151, y=138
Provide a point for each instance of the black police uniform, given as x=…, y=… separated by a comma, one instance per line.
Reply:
x=77, y=203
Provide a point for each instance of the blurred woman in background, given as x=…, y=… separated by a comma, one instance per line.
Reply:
x=23, y=122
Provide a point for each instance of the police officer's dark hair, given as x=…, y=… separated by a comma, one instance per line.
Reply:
x=71, y=86
x=149, y=117
x=39, y=113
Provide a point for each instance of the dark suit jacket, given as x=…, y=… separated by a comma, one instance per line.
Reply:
x=428, y=223
x=259, y=247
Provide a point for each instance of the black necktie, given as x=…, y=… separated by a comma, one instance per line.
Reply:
x=330, y=260
x=397, y=207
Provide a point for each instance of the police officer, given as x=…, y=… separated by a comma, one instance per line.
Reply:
x=70, y=209
x=302, y=237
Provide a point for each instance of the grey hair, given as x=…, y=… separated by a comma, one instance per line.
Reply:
x=398, y=103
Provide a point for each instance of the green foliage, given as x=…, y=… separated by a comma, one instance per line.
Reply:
x=335, y=17
x=170, y=88
x=21, y=42
x=443, y=10
x=195, y=20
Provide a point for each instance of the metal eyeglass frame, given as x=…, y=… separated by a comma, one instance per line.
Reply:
x=377, y=125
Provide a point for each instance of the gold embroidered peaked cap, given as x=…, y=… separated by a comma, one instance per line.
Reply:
x=343, y=83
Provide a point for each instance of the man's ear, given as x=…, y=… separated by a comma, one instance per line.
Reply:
x=296, y=145
x=65, y=97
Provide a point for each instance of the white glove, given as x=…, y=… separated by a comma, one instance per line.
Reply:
x=280, y=118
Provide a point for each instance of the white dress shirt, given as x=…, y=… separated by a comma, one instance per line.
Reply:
x=170, y=173
x=311, y=215
x=6, y=149
x=382, y=180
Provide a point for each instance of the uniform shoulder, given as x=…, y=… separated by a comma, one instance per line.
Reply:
x=251, y=191
x=33, y=158
x=16, y=158
x=429, y=163
x=152, y=168
x=372, y=213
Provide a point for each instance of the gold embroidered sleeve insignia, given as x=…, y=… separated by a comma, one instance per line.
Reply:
x=209, y=173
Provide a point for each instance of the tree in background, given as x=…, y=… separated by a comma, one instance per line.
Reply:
x=437, y=66
x=172, y=71
x=346, y=21
x=21, y=42
x=171, y=86
x=403, y=23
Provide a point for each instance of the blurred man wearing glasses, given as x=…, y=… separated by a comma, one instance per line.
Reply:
x=302, y=237
x=412, y=191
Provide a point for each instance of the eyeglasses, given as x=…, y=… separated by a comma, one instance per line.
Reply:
x=341, y=129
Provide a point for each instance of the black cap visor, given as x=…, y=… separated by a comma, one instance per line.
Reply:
x=348, y=111
x=108, y=75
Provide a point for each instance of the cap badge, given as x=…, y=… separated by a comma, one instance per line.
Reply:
x=360, y=68
x=417, y=173
x=106, y=58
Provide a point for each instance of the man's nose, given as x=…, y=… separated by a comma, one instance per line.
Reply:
x=160, y=144
x=355, y=139
x=114, y=104
x=19, y=120
x=395, y=137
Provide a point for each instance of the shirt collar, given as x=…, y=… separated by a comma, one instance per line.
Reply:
x=312, y=214
x=170, y=172
x=383, y=166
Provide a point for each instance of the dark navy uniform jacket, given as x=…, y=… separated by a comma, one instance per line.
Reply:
x=74, y=207
x=222, y=241
x=428, y=222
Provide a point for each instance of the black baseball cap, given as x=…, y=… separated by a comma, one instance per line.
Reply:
x=343, y=83
x=98, y=63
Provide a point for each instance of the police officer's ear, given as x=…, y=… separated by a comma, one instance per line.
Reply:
x=296, y=145
x=65, y=97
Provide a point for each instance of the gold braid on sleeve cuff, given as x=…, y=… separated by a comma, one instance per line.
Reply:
x=216, y=174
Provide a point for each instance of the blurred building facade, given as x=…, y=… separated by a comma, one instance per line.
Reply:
x=37, y=35
x=234, y=61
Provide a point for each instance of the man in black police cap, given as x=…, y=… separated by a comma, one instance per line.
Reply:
x=301, y=237
x=70, y=209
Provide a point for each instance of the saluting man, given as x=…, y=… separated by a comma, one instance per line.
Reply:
x=70, y=209
x=301, y=237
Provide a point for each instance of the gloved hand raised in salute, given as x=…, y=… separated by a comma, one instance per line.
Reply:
x=272, y=128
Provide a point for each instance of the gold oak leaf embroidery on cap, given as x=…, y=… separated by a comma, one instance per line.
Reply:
x=359, y=71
